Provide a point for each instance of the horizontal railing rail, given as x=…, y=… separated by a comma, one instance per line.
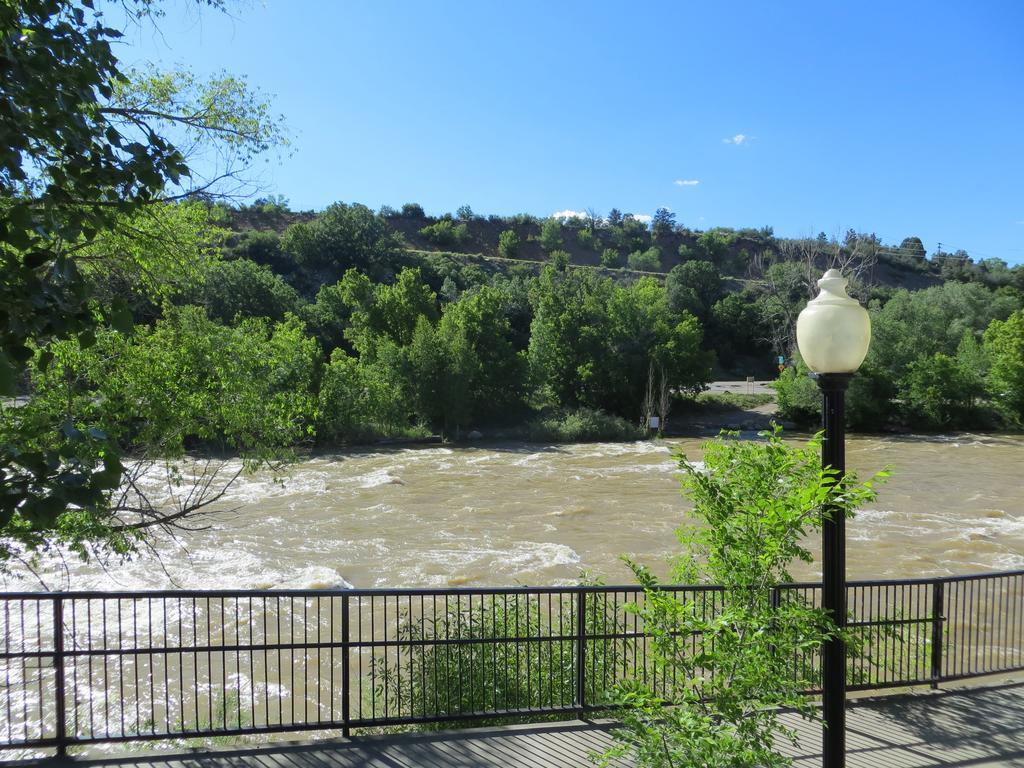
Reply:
x=83, y=667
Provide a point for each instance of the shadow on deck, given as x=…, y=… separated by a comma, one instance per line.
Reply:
x=977, y=727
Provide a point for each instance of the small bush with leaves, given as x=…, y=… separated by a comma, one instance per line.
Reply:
x=446, y=233
x=727, y=661
x=580, y=426
x=551, y=235
x=586, y=239
x=491, y=672
x=611, y=258
x=413, y=211
x=508, y=244
x=646, y=261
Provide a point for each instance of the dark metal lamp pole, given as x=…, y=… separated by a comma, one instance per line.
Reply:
x=833, y=577
x=833, y=333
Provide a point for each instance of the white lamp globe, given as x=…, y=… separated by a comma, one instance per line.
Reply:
x=834, y=331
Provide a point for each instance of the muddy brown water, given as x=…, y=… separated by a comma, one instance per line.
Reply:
x=542, y=514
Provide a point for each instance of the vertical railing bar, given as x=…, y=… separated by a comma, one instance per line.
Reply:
x=938, y=617
x=346, y=715
x=74, y=668
x=581, y=648
x=58, y=668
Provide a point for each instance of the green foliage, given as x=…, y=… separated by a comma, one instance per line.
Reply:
x=611, y=258
x=446, y=233
x=693, y=287
x=645, y=261
x=495, y=372
x=508, y=244
x=551, y=235
x=358, y=402
x=489, y=675
x=725, y=659
x=186, y=383
x=239, y=289
x=798, y=397
x=663, y=223
x=262, y=247
x=85, y=149
x=342, y=237
x=731, y=400
x=1004, y=346
x=591, y=342
x=630, y=235
x=581, y=425
x=390, y=311
x=585, y=238
x=713, y=246
x=939, y=391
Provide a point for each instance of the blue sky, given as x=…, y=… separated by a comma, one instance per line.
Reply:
x=898, y=118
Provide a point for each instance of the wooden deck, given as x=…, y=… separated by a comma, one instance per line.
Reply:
x=976, y=727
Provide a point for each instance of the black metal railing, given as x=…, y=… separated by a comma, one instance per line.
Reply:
x=85, y=667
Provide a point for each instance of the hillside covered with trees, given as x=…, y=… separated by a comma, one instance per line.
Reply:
x=150, y=329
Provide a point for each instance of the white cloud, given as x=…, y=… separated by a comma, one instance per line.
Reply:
x=643, y=217
x=686, y=182
x=738, y=139
x=569, y=214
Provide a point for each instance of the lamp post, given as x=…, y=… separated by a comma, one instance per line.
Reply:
x=833, y=333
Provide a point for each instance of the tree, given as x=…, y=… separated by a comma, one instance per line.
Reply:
x=187, y=383
x=413, y=211
x=614, y=217
x=640, y=330
x=914, y=249
x=238, y=289
x=551, y=235
x=358, y=401
x=724, y=659
x=384, y=311
x=85, y=148
x=645, y=261
x=663, y=223
x=342, y=237
x=1004, y=346
x=508, y=244
x=495, y=371
x=611, y=258
x=935, y=393
x=694, y=287
x=566, y=334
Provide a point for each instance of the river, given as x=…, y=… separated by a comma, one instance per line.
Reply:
x=542, y=514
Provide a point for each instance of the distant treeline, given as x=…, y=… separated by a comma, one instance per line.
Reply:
x=258, y=328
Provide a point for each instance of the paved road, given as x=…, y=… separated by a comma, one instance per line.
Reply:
x=976, y=727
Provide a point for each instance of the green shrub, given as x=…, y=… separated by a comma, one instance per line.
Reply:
x=446, y=233
x=611, y=258
x=728, y=671
x=581, y=426
x=586, y=239
x=508, y=244
x=551, y=235
x=645, y=261
x=413, y=211
x=444, y=678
